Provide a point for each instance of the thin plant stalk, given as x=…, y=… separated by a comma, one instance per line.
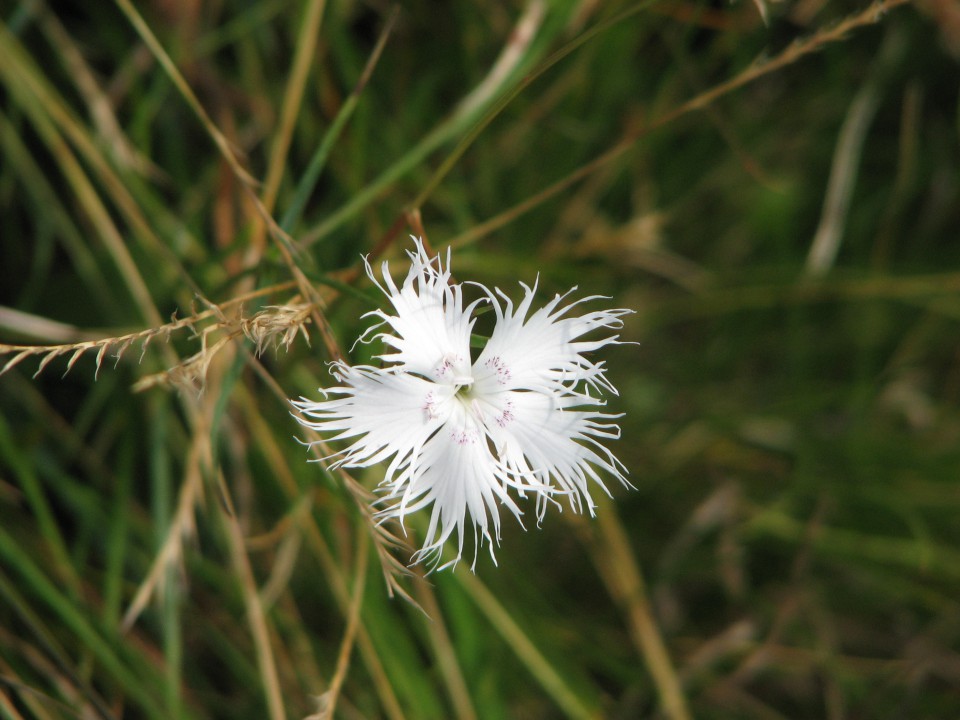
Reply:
x=618, y=567
x=292, y=99
x=792, y=54
x=528, y=653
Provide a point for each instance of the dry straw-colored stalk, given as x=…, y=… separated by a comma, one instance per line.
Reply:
x=273, y=326
x=118, y=345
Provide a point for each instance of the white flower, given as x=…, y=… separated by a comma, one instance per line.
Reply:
x=466, y=436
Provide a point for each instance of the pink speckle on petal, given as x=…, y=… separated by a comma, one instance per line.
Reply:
x=430, y=407
x=446, y=366
x=498, y=366
x=506, y=416
x=462, y=437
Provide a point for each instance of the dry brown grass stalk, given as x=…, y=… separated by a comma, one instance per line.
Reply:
x=284, y=242
x=624, y=581
x=182, y=528
x=99, y=105
x=385, y=542
x=332, y=573
x=274, y=326
x=256, y=613
x=292, y=99
x=328, y=701
x=118, y=344
x=443, y=646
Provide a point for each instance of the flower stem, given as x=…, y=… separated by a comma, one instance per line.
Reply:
x=620, y=571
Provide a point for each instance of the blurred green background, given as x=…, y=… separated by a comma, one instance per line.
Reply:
x=788, y=240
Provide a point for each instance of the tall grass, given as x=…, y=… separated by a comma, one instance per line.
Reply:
x=186, y=190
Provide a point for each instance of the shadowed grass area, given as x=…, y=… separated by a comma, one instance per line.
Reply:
x=186, y=191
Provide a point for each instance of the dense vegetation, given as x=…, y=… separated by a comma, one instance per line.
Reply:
x=186, y=190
